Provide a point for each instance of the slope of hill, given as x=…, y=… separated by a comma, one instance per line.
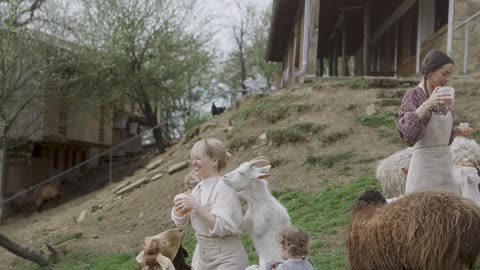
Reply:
x=319, y=138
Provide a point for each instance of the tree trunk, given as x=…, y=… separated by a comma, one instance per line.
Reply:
x=152, y=122
x=34, y=255
x=3, y=163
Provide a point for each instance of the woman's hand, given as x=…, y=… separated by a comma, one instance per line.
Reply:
x=185, y=203
x=438, y=99
x=464, y=132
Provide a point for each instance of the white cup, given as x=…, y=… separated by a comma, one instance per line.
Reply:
x=447, y=90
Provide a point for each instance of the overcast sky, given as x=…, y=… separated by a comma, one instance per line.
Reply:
x=225, y=11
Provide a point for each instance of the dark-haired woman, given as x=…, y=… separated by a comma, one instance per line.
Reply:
x=425, y=121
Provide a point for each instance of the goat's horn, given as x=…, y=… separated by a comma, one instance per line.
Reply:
x=259, y=159
x=165, y=262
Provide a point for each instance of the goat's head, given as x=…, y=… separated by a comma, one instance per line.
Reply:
x=469, y=181
x=161, y=249
x=242, y=176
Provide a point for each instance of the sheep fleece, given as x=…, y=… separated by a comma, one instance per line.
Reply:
x=422, y=231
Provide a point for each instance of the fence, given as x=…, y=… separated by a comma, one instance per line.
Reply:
x=467, y=29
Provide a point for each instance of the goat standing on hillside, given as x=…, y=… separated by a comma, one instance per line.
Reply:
x=217, y=110
x=265, y=217
x=424, y=230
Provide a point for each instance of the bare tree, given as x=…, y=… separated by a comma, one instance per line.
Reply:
x=250, y=36
x=22, y=64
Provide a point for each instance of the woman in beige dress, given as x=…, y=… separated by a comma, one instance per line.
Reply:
x=425, y=122
x=214, y=211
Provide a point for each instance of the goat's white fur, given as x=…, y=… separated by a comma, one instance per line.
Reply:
x=265, y=217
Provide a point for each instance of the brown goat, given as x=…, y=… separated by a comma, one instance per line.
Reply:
x=45, y=193
x=421, y=231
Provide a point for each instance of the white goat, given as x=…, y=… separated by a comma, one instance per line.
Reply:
x=265, y=216
x=465, y=152
x=467, y=179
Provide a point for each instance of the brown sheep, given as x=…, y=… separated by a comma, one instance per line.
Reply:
x=421, y=231
x=164, y=251
x=19, y=203
x=46, y=193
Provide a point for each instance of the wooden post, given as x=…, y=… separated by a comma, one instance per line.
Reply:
x=335, y=56
x=419, y=37
x=330, y=66
x=321, y=67
x=451, y=5
x=366, y=37
x=3, y=162
x=395, y=57
x=313, y=38
x=344, y=47
x=291, y=60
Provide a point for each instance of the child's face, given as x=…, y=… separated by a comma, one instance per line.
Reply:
x=204, y=168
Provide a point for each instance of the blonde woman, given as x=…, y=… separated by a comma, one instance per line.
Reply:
x=213, y=209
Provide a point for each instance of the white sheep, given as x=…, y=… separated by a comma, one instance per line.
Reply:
x=465, y=152
x=390, y=172
x=265, y=216
x=463, y=148
x=467, y=179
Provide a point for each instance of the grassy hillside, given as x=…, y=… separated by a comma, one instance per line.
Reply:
x=323, y=147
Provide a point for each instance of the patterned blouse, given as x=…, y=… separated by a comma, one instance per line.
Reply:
x=410, y=127
x=224, y=204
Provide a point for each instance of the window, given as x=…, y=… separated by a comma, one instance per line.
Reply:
x=441, y=14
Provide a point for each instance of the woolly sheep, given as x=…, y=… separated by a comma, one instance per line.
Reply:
x=265, y=216
x=47, y=192
x=465, y=152
x=164, y=251
x=467, y=179
x=465, y=149
x=425, y=230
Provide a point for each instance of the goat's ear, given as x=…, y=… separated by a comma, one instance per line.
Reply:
x=265, y=169
x=165, y=262
x=140, y=257
x=405, y=171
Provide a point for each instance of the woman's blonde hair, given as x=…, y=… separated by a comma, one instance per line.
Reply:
x=295, y=242
x=211, y=148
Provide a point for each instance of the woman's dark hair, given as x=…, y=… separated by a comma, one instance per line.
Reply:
x=433, y=61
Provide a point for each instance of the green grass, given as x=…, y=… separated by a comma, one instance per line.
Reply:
x=378, y=120
x=476, y=135
x=334, y=137
x=322, y=215
x=270, y=109
x=237, y=139
x=83, y=260
x=385, y=125
x=64, y=238
x=294, y=133
x=327, y=161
